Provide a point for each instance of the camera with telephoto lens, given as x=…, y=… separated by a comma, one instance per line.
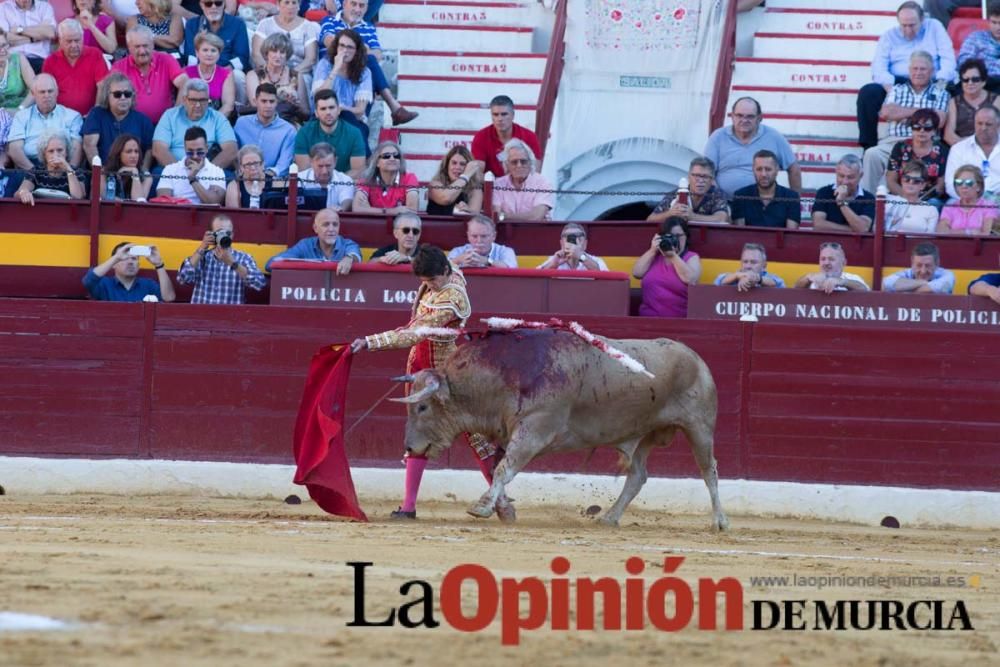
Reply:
x=668, y=242
x=573, y=238
x=223, y=238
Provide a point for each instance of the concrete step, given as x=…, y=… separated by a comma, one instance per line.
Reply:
x=424, y=166
x=827, y=21
x=465, y=88
x=813, y=125
x=833, y=101
x=791, y=45
x=793, y=73
x=855, y=5
x=455, y=13
x=823, y=150
x=433, y=141
x=467, y=116
x=423, y=37
x=480, y=65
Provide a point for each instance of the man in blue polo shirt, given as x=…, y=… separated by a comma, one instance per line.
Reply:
x=731, y=148
x=168, y=138
x=231, y=29
x=328, y=245
x=126, y=285
x=766, y=204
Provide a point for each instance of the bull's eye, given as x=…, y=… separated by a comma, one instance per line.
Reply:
x=421, y=408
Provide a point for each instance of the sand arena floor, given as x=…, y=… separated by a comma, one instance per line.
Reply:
x=206, y=581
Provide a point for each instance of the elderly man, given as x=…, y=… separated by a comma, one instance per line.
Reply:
x=572, y=254
x=985, y=45
x=731, y=149
x=193, y=177
x=891, y=65
x=76, y=68
x=753, y=271
x=904, y=99
x=831, y=276
x=154, y=75
x=219, y=272
x=482, y=250
x=351, y=17
x=925, y=275
x=126, y=284
x=42, y=117
x=766, y=204
x=406, y=229
x=980, y=150
x=194, y=111
x=115, y=115
x=488, y=143
x=328, y=245
x=327, y=128
x=274, y=135
x=30, y=26
x=844, y=205
x=706, y=203
x=523, y=194
x=322, y=175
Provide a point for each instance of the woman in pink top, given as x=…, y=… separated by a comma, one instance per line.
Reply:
x=970, y=213
x=385, y=185
x=221, y=86
x=666, y=269
x=98, y=27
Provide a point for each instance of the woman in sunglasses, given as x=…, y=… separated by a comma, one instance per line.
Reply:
x=961, y=122
x=124, y=168
x=908, y=213
x=457, y=188
x=924, y=146
x=971, y=213
x=385, y=186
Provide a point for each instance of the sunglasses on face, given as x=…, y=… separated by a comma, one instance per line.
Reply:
x=212, y=3
x=913, y=179
x=389, y=156
x=831, y=245
x=201, y=152
x=118, y=94
x=926, y=128
x=973, y=79
x=198, y=100
x=524, y=161
x=410, y=230
x=967, y=182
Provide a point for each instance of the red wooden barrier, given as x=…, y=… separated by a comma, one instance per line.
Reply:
x=801, y=403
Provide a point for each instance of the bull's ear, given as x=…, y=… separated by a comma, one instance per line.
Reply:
x=425, y=384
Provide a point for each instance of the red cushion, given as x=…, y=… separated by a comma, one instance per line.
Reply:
x=959, y=29
x=967, y=13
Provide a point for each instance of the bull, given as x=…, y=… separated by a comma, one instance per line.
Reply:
x=537, y=391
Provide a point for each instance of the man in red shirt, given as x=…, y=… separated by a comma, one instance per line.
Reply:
x=488, y=143
x=156, y=76
x=76, y=68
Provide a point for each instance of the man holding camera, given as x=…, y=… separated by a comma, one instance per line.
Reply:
x=482, y=251
x=572, y=254
x=126, y=284
x=219, y=272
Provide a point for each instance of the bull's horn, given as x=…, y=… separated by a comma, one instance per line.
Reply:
x=427, y=390
x=403, y=378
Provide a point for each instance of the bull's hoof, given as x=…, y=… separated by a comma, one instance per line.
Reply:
x=610, y=522
x=720, y=524
x=481, y=510
x=505, y=510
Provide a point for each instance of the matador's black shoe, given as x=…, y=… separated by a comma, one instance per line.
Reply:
x=400, y=514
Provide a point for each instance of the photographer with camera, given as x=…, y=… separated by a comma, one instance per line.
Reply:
x=666, y=269
x=572, y=254
x=219, y=272
x=126, y=285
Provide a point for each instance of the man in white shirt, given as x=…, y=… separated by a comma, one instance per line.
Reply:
x=322, y=174
x=482, y=251
x=193, y=178
x=980, y=150
x=30, y=26
x=572, y=254
x=831, y=276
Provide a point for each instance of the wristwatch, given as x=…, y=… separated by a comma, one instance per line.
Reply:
x=583, y=257
x=20, y=30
